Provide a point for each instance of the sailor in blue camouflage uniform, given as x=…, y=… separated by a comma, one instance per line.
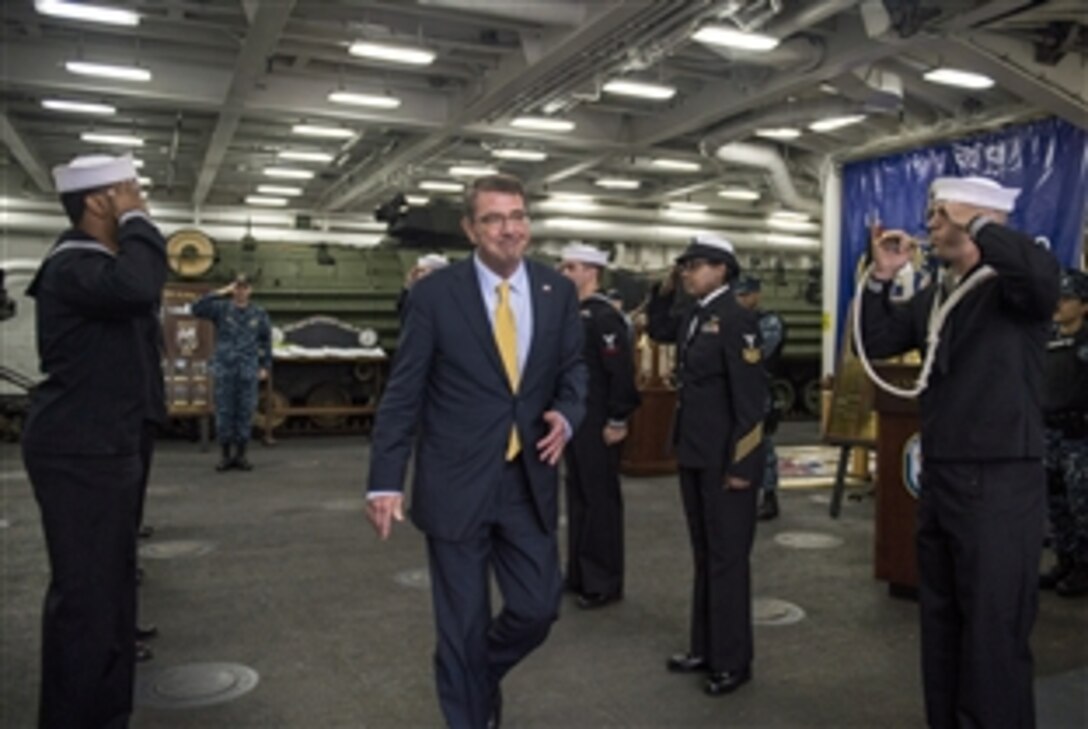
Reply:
x=243, y=356
x=1065, y=404
x=773, y=331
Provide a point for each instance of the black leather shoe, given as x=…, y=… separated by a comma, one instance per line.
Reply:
x=594, y=600
x=769, y=508
x=146, y=632
x=686, y=663
x=721, y=683
x=145, y=532
x=242, y=464
x=143, y=652
x=495, y=720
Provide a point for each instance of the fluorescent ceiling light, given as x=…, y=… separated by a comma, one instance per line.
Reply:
x=568, y=205
x=721, y=35
x=120, y=140
x=314, y=130
x=524, y=155
x=790, y=241
x=137, y=163
x=377, y=101
x=90, y=13
x=472, y=171
x=641, y=89
x=288, y=173
x=144, y=181
x=734, y=193
x=791, y=215
x=543, y=124
x=305, y=156
x=279, y=190
x=106, y=70
x=615, y=183
x=392, y=53
x=685, y=206
x=796, y=226
x=440, y=186
x=676, y=164
x=835, y=122
x=780, y=133
x=417, y=200
x=574, y=196
x=576, y=224
x=264, y=201
x=78, y=107
x=956, y=77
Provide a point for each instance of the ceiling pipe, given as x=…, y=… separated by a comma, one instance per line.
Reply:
x=811, y=14
x=547, y=12
x=768, y=158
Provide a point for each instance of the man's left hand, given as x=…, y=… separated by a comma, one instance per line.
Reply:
x=613, y=434
x=551, y=445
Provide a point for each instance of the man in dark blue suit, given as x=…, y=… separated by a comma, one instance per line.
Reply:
x=489, y=376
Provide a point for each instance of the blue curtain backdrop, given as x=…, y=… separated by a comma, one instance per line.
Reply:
x=1047, y=160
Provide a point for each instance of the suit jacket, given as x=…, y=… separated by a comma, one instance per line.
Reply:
x=721, y=391
x=448, y=395
x=984, y=399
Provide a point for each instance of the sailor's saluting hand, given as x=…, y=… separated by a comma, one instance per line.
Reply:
x=892, y=249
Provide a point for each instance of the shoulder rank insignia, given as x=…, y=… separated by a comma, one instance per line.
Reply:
x=711, y=326
x=750, y=352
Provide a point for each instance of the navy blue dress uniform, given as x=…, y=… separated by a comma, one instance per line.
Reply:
x=84, y=437
x=980, y=516
x=717, y=435
x=595, y=534
x=1066, y=412
x=243, y=347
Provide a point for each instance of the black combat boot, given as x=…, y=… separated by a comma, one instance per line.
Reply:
x=1075, y=583
x=768, y=509
x=240, y=461
x=226, y=462
x=1050, y=579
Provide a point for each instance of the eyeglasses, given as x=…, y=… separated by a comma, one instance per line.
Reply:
x=518, y=218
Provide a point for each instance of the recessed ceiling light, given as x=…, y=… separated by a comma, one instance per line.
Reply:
x=417, y=200
x=836, y=122
x=314, y=130
x=377, y=101
x=265, y=201
x=472, y=171
x=288, y=173
x=957, y=77
x=641, y=89
x=735, y=193
x=685, y=206
x=393, y=53
x=144, y=181
x=440, y=186
x=90, y=13
x=779, y=133
x=299, y=156
x=721, y=35
x=682, y=165
x=279, y=190
x=616, y=183
x=543, y=124
x=120, y=140
x=106, y=70
x=790, y=215
x=523, y=155
x=78, y=107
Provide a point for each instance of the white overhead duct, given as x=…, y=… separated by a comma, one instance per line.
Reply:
x=769, y=159
x=549, y=12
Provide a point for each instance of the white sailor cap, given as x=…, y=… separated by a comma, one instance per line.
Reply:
x=713, y=248
x=93, y=170
x=980, y=191
x=432, y=261
x=579, y=252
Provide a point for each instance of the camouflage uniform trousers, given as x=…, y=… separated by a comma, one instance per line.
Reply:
x=1067, y=494
x=235, y=403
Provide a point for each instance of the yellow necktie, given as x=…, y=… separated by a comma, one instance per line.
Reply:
x=506, y=336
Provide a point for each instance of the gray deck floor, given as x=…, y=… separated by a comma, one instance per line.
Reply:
x=338, y=625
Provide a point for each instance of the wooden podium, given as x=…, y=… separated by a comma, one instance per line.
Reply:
x=648, y=448
x=898, y=464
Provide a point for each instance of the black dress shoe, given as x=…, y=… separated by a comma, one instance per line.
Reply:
x=146, y=632
x=145, y=532
x=242, y=464
x=720, y=683
x=686, y=663
x=769, y=508
x=594, y=600
x=143, y=652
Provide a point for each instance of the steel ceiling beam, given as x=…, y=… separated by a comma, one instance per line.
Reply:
x=20, y=149
x=266, y=25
